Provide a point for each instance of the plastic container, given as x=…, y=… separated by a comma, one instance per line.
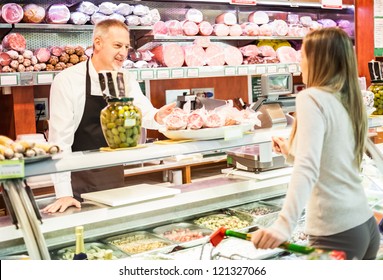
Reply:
x=121, y=123
x=377, y=90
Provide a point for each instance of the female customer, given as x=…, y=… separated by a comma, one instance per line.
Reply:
x=326, y=147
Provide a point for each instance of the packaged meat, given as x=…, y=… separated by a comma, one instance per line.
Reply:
x=249, y=50
x=160, y=28
x=79, y=18
x=267, y=51
x=215, y=55
x=174, y=27
x=250, y=29
x=265, y=30
x=97, y=17
x=140, y=10
x=205, y=28
x=194, y=56
x=233, y=56
x=280, y=27
x=146, y=20
x=87, y=8
x=57, y=14
x=327, y=22
x=194, y=15
x=93, y=250
x=117, y=17
x=14, y=41
x=306, y=20
x=155, y=14
x=107, y=8
x=169, y=55
x=235, y=30
x=287, y=55
x=33, y=13
x=139, y=242
x=12, y=13
x=190, y=28
x=5, y=59
x=124, y=9
x=185, y=234
x=203, y=42
x=221, y=29
x=258, y=17
x=132, y=20
x=176, y=120
x=226, y=18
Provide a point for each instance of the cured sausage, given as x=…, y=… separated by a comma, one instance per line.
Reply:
x=12, y=13
x=194, y=55
x=215, y=55
x=170, y=55
x=14, y=41
x=205, y=28
x=233, y=56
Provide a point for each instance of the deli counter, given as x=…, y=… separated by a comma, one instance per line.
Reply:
x=101, y=221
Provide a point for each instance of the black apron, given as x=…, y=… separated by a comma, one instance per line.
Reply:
x=89, y=136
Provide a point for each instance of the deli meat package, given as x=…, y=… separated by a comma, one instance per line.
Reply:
x=57, y=14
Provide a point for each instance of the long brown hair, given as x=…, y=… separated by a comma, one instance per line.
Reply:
x=332, y=67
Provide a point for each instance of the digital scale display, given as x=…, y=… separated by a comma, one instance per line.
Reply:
x=276, y=84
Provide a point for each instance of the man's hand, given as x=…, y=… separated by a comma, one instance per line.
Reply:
x=164, y=111
x=61, y=204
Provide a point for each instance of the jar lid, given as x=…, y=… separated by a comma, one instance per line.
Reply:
x=120, y=99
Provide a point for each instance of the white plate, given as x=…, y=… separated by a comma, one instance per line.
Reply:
x=205, y=133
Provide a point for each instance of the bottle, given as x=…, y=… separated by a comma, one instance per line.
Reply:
x=121, y=123
x=80, y=253
x=377, y=90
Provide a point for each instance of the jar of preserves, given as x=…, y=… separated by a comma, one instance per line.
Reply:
x=377, y=90
x=121, y=123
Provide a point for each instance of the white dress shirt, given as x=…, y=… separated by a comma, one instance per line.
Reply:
x=67, y=102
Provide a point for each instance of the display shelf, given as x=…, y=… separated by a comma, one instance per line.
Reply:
x=142, y=74
x=94, y=159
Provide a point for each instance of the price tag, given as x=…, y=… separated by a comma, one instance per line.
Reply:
x=243, y=2
x=9, y=79
x=260, y=70
x=192, y=72
x=11, y=169
x=293, y=68
x=243, y=70
x=163, y=74
x=230, y=71
x=282, y=70
x=233, y=132
x=177, y=73
x=272, y=69
x=332, y=4
x=147, y=74
x=134, y=73
x=45, y=78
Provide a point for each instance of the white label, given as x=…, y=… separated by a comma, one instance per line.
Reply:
x=193, y=72
x=10, y=169
x=45, y=78
x=281, y=70
x=130, y=122
x=163, y=74
x=233, y=133
x=230, y=71
x=177, y=73
x=243, y=70
x=292, y=68
x=260, y=70
x=134, y=73
x=332, y=4
x=8, y=80
x=272, y=69
x=147, y=74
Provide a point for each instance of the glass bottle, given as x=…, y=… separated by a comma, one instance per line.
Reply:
x=121, y=123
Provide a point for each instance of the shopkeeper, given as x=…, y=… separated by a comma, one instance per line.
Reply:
x=76, y=101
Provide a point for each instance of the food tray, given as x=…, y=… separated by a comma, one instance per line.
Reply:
x=184, y=234
x=215, y=221
x=94, y=251
x=204, y=133
x=139, y=242
x=263, y=214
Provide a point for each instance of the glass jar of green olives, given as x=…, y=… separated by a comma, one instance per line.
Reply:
x=121, y=123
x=377, y=90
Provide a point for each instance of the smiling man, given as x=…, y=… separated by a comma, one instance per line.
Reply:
x=76, y=101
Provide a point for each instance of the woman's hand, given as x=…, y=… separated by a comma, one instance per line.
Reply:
x=280, y=145
x=164, y=111
x=61, y=204
x=265, y=239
